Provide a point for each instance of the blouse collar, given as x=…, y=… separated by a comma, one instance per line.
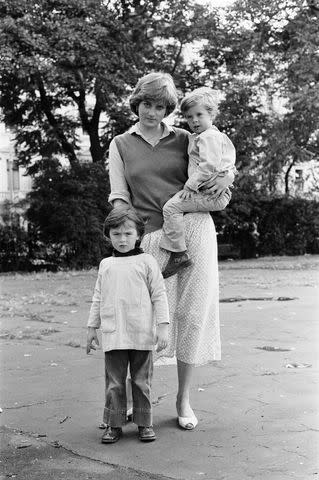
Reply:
x=166, y=130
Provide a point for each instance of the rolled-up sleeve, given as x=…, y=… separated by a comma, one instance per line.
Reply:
x=119, y=188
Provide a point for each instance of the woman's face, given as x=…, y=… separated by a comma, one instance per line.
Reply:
x=151, y=113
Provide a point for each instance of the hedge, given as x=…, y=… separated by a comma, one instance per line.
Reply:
x=286, y=226
x=67, y=209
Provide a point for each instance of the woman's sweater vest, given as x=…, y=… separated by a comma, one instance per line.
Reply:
x=153, y=174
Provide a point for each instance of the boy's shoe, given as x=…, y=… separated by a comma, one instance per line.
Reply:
x=146, y=434
x=176, y=262
x=111, y=435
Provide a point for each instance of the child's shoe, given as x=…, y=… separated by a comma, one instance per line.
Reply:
x=111, y=435
x=146, y=434
x=177, y=261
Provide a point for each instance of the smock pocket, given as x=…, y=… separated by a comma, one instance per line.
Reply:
x=135, y=319
x=108, y=319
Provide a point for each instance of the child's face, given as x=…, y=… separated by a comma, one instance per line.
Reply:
x=124, y=236
x=198, y=118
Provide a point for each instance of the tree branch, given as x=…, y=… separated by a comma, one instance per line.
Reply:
x=177, y=57
x=45, y=103
x=95, y=144
x=287, y=177
x=80, y=101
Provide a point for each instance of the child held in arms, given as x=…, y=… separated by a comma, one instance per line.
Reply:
x=211, y=154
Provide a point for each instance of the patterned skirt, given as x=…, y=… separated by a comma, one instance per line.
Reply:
x=193, y=294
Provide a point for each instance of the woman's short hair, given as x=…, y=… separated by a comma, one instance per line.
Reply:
x=155, y=87
x=120, y=215
x=205, y=96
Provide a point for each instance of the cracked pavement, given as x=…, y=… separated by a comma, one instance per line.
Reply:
x=258, y=416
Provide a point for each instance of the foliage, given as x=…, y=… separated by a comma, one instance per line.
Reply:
x=267, y=52
x=67, y=210
x=286, y=226
x=13, y=248
x=61, y=236
x=68, y=65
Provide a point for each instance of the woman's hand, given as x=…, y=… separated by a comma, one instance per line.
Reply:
x=220, y=184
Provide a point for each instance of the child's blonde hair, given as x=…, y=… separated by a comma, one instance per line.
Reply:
x=205, y=96
x=155, y=87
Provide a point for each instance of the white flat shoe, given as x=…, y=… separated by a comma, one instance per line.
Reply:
x=187, y=423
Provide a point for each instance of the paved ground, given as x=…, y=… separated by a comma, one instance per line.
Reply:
x=257, y=408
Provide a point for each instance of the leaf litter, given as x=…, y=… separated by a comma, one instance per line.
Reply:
x=270, y=348
x=298, y=365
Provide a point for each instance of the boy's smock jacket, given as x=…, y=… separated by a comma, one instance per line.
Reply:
x=129, y=301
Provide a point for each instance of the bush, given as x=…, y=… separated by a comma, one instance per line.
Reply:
x=289, y=226
x=14, y=248
x=21, y=250
x=67, y=209
x=286, y=226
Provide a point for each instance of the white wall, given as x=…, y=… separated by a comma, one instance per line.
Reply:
x=13, y=184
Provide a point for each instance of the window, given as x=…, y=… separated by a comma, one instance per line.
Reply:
x=13, y=175
x=299, y=180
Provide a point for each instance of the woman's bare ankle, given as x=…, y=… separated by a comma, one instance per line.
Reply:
x=183, y=406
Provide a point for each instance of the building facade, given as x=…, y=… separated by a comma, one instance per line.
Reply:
x=14, y=184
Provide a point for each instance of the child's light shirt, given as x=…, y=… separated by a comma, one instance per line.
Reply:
x=129, y=300
x=210, y=153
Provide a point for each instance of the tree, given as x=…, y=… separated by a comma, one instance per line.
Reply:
x=67, y=208
x=266, y=52
x=70, y=64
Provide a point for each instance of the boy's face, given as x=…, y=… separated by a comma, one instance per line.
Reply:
x=124, y=236
x=198, y=118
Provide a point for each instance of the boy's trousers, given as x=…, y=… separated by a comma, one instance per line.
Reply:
x=173, y=236
x=141, y=370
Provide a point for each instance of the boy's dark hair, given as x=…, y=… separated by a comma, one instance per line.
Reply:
x=118, y=216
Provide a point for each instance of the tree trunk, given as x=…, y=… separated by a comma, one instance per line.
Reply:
x=96, y=150
x=287, y=177
x=46, y=106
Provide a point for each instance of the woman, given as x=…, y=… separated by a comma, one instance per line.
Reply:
x=147, y=166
